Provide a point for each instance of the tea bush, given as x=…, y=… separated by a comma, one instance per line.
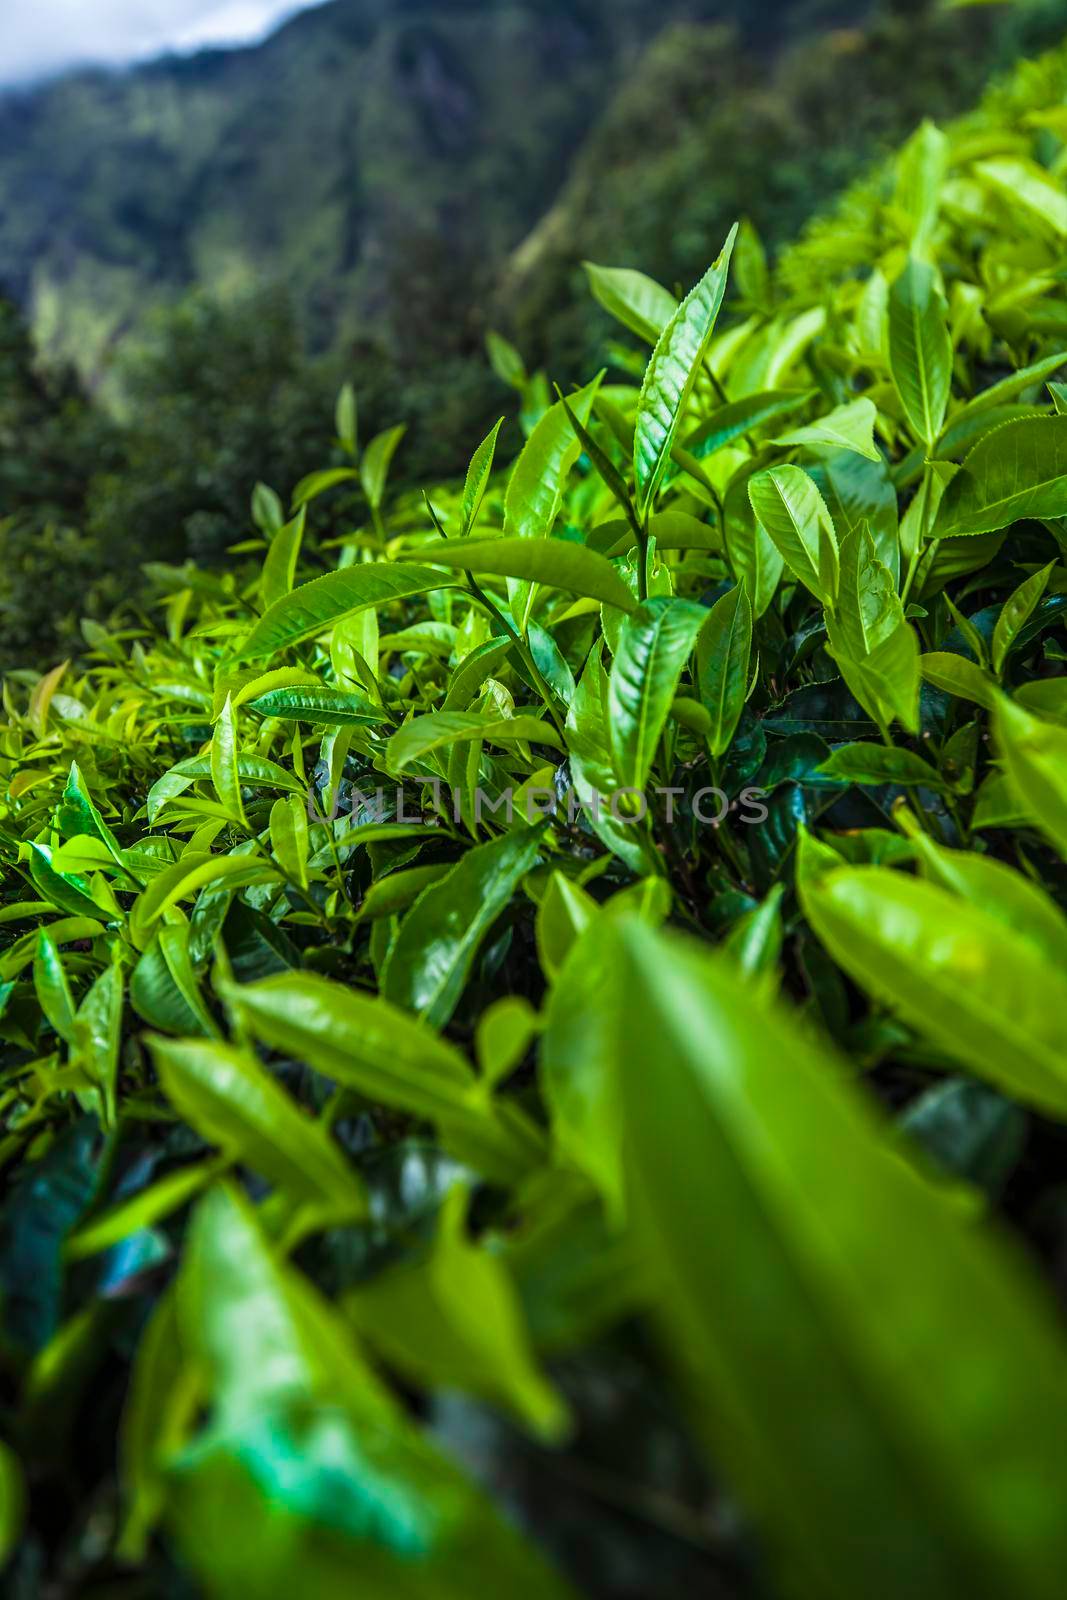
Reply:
x=571, y=975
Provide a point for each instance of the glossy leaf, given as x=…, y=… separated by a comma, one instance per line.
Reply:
x=738, y=417
x=792, y=511
x=565, y=912
x=367, y=1044
x=1034, y=754
x=315, y=606
x=555, y=562
x=876, y=764
x=224, y=770
x=1016, y=612
x=723, y=652
x=956, y=675
x=920, y=350
x=289, y=838
x=637, y=301
x=279, y=564
x=377, y=458
x=981, y=993
x=235, y=1103
x=847, y=427
x=654, y=646
x=672, y=371
x=833, y=1246
x=441, y=730
x=477, y=478
x=1019, y=470
x=327, y=707
x=535, y=489
x=430, y=962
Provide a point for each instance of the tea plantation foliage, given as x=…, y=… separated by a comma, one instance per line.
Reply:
x=410, y=1198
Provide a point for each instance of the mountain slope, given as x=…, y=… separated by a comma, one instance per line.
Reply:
x=705, y=129
x=364, y=143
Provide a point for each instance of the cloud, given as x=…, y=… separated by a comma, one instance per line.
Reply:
x=43, y=36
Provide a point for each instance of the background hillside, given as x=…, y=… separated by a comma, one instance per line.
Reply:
x=384, y=159
x=370, y=154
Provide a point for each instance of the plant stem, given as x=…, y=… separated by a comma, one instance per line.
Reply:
x=641, y=530
x=521, y=646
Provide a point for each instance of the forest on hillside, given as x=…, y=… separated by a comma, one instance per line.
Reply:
x=533, y=808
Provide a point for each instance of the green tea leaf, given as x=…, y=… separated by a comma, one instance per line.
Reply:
x=97, y=1033
x=983, y=994
x=655, y=643
x=535, y=489
x=672, y=371
x=289, y=838
x=224, y=771
x=577, y=1075
x=345, y=419
x=279, y=564
x=376, y=461
x=1016, y=612
x=79, y=818
x=231, y=1100
x=998, y=889
x=566, y=910
x=556, y=563
x=52, y=987
x=444, y=729
x=315, y=606
x=874, y=764
x=455, y=1322
x=267, y=511
x=920, y=350
x=477, y=478
x=319, y=1469
x=367, y=1044
x=792, y=511
x=187, y=877
x=1023, y=184
x=633, y=299
x=876, y=650
x=317, y=483
x=738, y=417
x=868, y=609
x=152, y=1205
x=836, y=1251
x=1034, y=754
x=326, y=707
x=847, y=427
x=1018, y=470
x=958, y=676
x=439, y=939
x=723, y=651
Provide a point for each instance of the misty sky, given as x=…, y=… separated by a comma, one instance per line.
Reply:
x=43, y=36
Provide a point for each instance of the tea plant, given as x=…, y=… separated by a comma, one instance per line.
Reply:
x=602, y=918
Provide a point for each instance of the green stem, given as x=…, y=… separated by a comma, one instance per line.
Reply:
x=913, y=566
x=723, y=397
x=641, y=531
x=920, y=542
x=342, y=885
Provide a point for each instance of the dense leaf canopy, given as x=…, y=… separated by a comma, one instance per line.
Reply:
x=553, y=985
